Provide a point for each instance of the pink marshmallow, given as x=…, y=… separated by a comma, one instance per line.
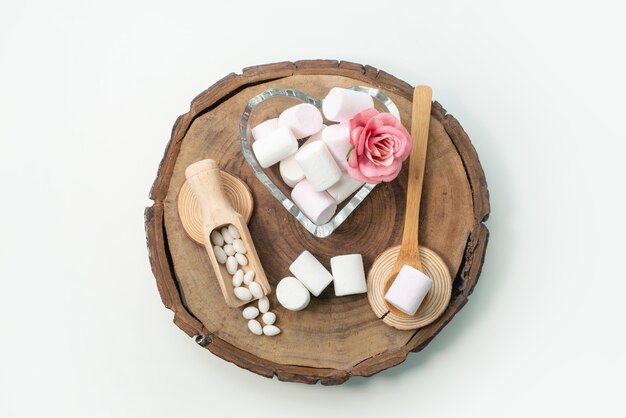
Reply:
x=408, y=290
x=341, y=190
x=318, y=165
x=340, y=105
x=264, y=128
x=337, y=139
x=319, y=207
x=303, y=120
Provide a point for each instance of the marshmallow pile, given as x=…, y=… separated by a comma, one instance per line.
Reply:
x=310, y=277
x=317, y=170
x=230, y=250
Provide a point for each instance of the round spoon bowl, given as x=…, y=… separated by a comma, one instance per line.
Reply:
x=237, y=193
x=433, y=305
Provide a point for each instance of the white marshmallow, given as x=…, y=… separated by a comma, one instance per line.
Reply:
x=348, y=274
x=311, y=273
x=408, y=290
x=274, y=147
x=341, y=190
x=318, y=165
x=290, y=171
x=319, y=207
x=292, y=294
x=264, y=128
x=337, y=139
x=340, y=105
x=303, y=120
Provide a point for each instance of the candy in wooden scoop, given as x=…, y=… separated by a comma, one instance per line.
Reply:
x=217, y=213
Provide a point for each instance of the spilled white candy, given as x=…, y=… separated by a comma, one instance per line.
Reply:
x=271, y=330
x=269, y=318
x=264, y=304
x=251, y=312
x=255, y=327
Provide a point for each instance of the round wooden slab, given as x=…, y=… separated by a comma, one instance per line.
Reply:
x=334, y=338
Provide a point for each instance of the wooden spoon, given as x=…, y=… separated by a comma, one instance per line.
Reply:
x=206, y=182
x=420, y=122
x=409, y=252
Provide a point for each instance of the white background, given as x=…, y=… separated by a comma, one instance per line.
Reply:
x=88, y=96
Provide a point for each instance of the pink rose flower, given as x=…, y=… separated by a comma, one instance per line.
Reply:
x=380, y=143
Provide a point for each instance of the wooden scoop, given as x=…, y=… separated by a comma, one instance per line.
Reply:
x=206, y=182
x=381, y=275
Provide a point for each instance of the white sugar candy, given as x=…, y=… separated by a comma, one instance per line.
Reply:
x=264, y=128
x=341, y=190
x=318, y=165
x=271, y=330
x=290, y=171
x=303, y=120
x=408, y=290
x=311, y=273
x=337, y=139
x=340, y=105
x=348, y=274
x=292, y=294
x=274, y=147
x=319, y=207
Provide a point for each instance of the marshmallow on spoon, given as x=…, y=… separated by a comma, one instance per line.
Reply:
x=319, y=207
x=303, y=120
x=311, y=273
x=318, y=165
x=274, y=147
x=341, y=190
x=264, y=128
x=348, y=274
x=408, y=290
x=337, y=139
x=340, y=105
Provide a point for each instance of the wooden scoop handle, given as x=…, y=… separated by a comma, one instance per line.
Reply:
x=206, y=182
x=420, y=122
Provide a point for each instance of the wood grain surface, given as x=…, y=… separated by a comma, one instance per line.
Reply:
x=334, y=338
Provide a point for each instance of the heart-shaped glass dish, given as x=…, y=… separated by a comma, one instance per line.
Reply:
x=259, y=109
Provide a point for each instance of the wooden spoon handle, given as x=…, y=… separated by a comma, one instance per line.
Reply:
x=422, y=100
